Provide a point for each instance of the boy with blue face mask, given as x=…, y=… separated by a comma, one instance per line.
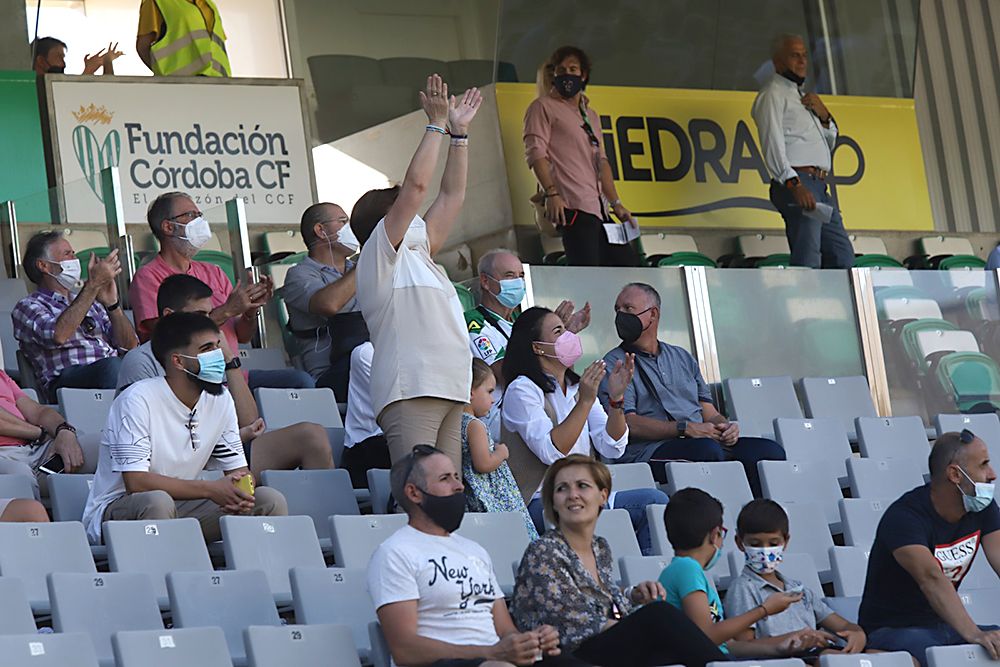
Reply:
x=762, y=536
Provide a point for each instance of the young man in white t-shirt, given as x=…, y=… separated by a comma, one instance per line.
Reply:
x=162, y=432
x=435, y=593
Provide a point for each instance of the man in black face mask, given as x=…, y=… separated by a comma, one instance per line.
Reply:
x=797, y=136
x=668, y=407
x=435, y=593
x=49, y=57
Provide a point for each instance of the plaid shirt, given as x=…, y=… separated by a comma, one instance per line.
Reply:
x=34, y=320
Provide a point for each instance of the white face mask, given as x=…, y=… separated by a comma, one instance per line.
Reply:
x=346, y=238
x=197, y=232
x=764, y=560
x=416, y=235
x=71, y=272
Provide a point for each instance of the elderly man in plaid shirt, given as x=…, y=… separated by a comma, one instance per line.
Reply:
x=71, y=331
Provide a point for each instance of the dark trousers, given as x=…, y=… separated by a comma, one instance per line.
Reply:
x=336, y=377
x=813, y=243
x=586, y=244
x=547, y=661
x=656, y=634
x=916, y=640
x=746, y=450
x=364, y=456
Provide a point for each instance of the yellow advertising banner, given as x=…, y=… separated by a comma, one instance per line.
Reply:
x=691, y=158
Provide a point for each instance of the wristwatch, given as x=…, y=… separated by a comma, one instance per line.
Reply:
x=792, y=182
x=682, y=429
x=617, y=405
x=233, y=364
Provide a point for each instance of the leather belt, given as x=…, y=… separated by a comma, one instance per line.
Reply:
x=815, y=172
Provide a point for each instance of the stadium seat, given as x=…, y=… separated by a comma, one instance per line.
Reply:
x=315, y=493
x=155, y=548
x=230, y=600
x=86, y=409
x=220, y=259
x=102, y=604
x=882, y=478
x=657, y=246
x=49, y=650
x=658, y=531
x=775, y=662
x=262, y=359
x=9, y=346
x=12, y=290
x=355, y=538
x=844, y=397
x=278, y=245
x=335, y=595
x=272, y=544
x=15, y=612
x=894, y=659
x=893, y=438
x=503, y=535
x=803, y=481
x=381, y=656
x=381, y=491
x=628, y=476
x=821, y=440
x=983, y=605
x=967, y=655
x=68, y=494
x=881, y=261
x=30, y=551
x=637, y=569
x=850, y=567
x=616, y=527
x=809, y=535
x=860, y=518
x=687, y=259
x=300, y=646
x=758, y=249
x=285, y=407
x=177, y=647
x=985, y=426
x=981, y=575
x=971, y=380
x=756, y=402
x=16, y=486
x=465, y=296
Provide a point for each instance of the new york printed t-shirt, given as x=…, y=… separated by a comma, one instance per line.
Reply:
x=892, y=598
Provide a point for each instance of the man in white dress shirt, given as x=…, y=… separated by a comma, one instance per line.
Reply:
x=797, y=137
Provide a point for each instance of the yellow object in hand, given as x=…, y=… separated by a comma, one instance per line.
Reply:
x=245, y=484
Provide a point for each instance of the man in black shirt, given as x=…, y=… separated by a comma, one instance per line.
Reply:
x=924, y=547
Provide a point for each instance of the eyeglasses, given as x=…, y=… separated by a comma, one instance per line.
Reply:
x=186, y=217
x=191, y=426
x=966, y=436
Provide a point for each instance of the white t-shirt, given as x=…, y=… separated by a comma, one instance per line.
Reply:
x=360, y=423
x=451, y=578
x=150, y=430
x=415, y=320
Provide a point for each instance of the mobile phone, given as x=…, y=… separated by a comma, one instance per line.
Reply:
x=794, y=590
x=53, y=466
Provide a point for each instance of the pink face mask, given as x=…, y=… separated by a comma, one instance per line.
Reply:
x=568, y=348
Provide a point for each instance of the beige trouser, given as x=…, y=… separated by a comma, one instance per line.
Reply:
x=423, y=421
x=24, y=460
x=159, y=505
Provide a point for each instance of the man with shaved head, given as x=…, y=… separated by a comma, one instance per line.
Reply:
x=924, y=547
x=797, y=136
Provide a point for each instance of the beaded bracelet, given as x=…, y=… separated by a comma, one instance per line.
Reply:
x=435, y=128
x=460, y=141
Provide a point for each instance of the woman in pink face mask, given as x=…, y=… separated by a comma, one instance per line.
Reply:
x=548, y=411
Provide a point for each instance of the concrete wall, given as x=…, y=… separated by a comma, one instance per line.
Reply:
x=14, y=51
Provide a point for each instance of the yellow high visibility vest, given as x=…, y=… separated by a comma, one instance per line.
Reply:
x=188, y=48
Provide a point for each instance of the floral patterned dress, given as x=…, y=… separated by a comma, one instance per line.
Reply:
x=493, y=491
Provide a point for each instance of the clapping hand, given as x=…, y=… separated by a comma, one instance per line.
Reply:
x=575, y=322
x=462, y=111
x=591, y=380
x=621, y=376
x=101, y=273
x=434, y=100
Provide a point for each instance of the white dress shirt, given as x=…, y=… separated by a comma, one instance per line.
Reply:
x=523, y=412
x=790, y=135
x=360, y=424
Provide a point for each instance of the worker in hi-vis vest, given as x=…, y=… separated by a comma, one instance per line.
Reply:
x=182, y=38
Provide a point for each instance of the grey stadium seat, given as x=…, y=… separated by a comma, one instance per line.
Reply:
x=821, y=440
x=230, y=600
x=658, y=531
x=52, y=650
x=779, y=662
x=16, y=486
x=86, y=409
x=850, y=567
x=285, y=407
x=178, y=647
x=102, y=604
x=628, y=476
x=68, y=494
x=30, y=551
x=315, y=493
x=300, y=646
x=803, y=482
x=272, y=544
x=616, y=527
x=985, y=426
x=636, y=569
x=983, y=605
x=263, y=359
x=845, y=397
x=15, y=612
x=860, y=518
x=893, y=438
x=980, y=575
x=894, y=659
x=809, y=535
x=381, y=490
x=503, y=535
x=846, y=607
x=967, y=655
x=882, y=478
x=355, y=538
x=335, y=595
x=756, y=402
x=155, y=548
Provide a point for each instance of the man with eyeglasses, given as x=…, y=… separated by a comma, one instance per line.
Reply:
x=924, y=547
x=182, y=231
x=435, y=592
x=319, y=291
x=162, y=432
x=71, y=330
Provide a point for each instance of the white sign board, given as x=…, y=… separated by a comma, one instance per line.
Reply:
x=215, y=140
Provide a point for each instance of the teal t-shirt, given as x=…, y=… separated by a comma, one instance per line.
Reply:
x=684, y=576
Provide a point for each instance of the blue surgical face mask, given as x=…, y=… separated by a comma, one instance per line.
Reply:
x=715, y=559
x=511, y=292
x=983, y=497
x=211, y=366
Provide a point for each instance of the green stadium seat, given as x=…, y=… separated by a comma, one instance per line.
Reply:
x=883, y=261
x=292, y=259
x=221, y=260
x=909, y=338
x=465, y=296
x=278, y=245
x=687, y=259
x=781, y=259
x=972, y=379
x=961, y=262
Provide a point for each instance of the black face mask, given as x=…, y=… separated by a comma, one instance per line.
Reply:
x=568, y=85
x=445, y=511
x=793, y=77
x=629, y=326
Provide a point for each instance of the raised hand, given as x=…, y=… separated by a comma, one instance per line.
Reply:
x=93, y=62
x=591, y=380
x=111, y=54
x=101, y=273
x=434, y=100
x=462, y=111
x=621, y=376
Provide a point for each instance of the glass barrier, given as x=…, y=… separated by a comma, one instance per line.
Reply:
x=75, y=202
x=940, y=335
x=796, y=322
x=600, y=287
